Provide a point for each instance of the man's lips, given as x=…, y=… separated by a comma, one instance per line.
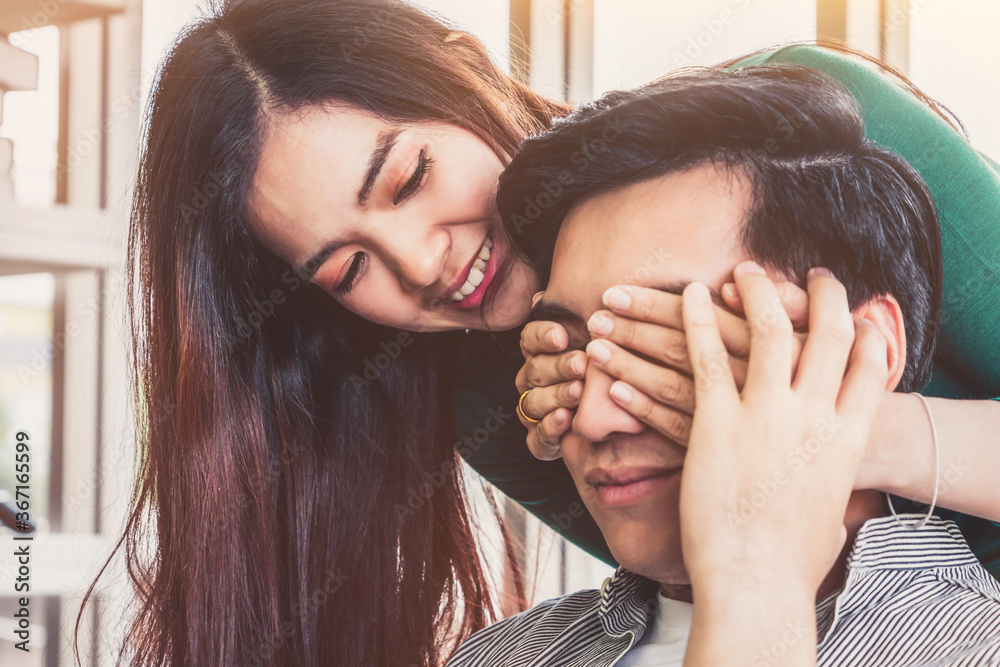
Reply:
x=627, y=486
x=625, y=475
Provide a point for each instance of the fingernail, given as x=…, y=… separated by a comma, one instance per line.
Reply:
x=534, y=299
x=751, y=267
x=551, y=337
x=574, y=365
x=819, y=271
x=598, y=351
x=621, y=393
x=729, y=291
x=575, y=390
x=600, y=324
x=616, y=297
x=698, y=293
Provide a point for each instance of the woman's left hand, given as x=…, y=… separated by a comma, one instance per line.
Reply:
x=644, y=346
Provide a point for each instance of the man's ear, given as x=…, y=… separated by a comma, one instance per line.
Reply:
x=884, y=312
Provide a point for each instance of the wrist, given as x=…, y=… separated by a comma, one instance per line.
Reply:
x=744, y=625
x=747, y=586
x=894, y=459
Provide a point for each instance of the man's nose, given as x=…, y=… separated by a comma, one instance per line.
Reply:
x=597, y=415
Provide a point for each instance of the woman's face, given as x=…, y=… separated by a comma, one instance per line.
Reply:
x=398, y=223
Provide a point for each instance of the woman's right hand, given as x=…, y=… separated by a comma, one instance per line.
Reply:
x=555, y=378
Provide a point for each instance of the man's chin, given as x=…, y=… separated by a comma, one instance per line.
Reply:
x=654, y=554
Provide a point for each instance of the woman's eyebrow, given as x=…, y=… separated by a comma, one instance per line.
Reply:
x=383, y=146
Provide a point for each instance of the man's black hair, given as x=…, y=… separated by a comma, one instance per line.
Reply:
x=822, y=194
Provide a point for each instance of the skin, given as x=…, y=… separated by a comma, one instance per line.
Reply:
x=696, y=216
x=412, y=250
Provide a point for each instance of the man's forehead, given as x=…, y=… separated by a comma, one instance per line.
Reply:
x=661, y=233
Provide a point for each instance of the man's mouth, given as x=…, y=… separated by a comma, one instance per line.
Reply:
x=475, y=278
x=628, y=486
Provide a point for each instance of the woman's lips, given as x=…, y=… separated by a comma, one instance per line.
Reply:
x=628, y=486
x=475, y=298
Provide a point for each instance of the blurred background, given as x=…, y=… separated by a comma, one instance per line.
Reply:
x=74, y=76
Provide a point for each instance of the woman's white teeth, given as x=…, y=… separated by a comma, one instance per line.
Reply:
x=475, y=277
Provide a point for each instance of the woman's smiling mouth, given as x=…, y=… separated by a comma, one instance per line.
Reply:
x=477, y=277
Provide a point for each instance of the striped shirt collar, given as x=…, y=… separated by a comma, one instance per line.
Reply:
x=883, y=543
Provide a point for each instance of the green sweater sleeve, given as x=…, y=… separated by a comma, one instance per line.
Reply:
x=965, y=185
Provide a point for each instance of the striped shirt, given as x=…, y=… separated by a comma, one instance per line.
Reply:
x=911, y=597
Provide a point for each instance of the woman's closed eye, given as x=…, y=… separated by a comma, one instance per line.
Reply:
x=416, y=179
x=350, y=278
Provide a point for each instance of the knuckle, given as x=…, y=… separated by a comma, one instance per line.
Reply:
x=675, y=348
x=712, y=365
x=534, y=377
x=683, y=433
x=675, y=425
x=667, y=388
x=839, y=333
x=643, y=305
x=548, y=446
x=772, y=323
x=566, y=398
x=642, y=409
x=625, y=331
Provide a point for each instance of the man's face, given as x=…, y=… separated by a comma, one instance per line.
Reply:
x=662, y=233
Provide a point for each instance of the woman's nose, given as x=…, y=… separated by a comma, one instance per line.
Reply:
x=419, y=255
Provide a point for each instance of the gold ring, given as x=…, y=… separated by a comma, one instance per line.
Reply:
x=520, y=409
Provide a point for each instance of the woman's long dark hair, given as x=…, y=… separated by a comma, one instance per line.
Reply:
x=299, y=499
